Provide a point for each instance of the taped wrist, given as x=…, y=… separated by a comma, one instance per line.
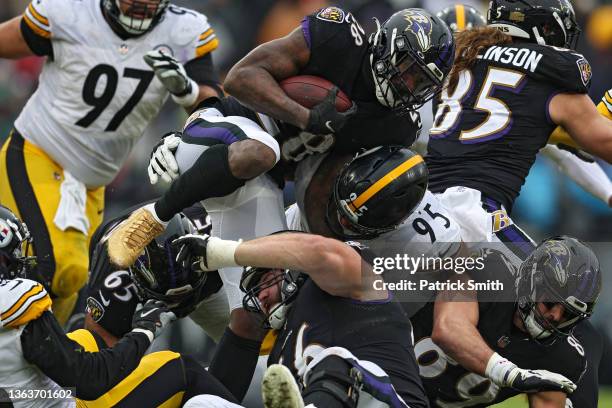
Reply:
x=190, y=96
x=498, y=369
x=210, y=176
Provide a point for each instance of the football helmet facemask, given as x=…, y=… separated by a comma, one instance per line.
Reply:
x=376, y=192
x=411, y=55
x=564, y=271
x=251, y=284
x=14, y=243
x=461, y=17
x=544, y=22
x=134, y=17
x=157, y=275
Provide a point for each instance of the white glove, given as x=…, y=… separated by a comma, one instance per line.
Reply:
x=172, y=74
x=162, y=162
x=505, y=373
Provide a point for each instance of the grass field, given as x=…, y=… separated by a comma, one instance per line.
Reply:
x=605, y=400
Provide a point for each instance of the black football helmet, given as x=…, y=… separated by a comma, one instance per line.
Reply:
x=412, y=53
x=14, y=243
x=157, y=275
x=137, y=17
x=251, y=284
x=545, y=22
x=561, y=270
x=461, y=17
x=376, y=192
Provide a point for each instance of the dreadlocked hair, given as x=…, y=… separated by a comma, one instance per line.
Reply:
x=468, y=44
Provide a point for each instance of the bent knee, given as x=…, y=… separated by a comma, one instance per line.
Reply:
x=250, y=158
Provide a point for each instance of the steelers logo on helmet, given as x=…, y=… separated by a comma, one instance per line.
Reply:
x=6, y=234
x=95, y=309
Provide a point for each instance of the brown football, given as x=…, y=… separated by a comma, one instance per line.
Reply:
x=308, y=91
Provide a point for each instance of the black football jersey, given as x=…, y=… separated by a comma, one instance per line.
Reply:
x=375, y=331
x=449, y=384
x=339, y=53
x=487, y=132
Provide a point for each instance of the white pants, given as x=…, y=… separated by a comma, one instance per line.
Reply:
x=209, y=401
x=483, y=221
x=254, y=210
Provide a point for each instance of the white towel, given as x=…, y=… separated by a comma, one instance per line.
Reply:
x=71, y=209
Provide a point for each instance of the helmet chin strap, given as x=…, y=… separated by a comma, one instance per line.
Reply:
x=535, y=330
x=277, y=318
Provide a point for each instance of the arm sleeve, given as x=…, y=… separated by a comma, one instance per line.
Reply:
x=65, y=361
x=36, y=28
x=589, y=176
x=203, y=72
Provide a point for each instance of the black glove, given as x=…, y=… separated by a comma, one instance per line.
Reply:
x=539, y=380
x=152, y=318
x=191, y=251
x=325, y=119
x=581, y=154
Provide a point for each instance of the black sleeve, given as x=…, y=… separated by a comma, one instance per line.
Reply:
x=63, y=360
x=202, y=70
x=39, y=45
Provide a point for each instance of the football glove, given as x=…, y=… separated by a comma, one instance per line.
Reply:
x=151, y=318
x=162, y=162
x=206, y=252
x=505, y=373
x=325, y=119
x=172, y=74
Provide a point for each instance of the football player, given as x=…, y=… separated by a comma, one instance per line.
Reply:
x=578, y=166
x=110, y=66
x=588, y=175
x=36, y=353
x=478, y=348
x=341, y=340
x=163, y=378
x=155, y=275
x=487, y=132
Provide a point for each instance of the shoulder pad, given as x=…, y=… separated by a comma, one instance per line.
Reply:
x=567, y=69
x=21, y=301
x=186, y=24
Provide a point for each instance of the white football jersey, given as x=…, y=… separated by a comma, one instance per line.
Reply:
x=97, y=95
x=22, y=300
x=430, y=230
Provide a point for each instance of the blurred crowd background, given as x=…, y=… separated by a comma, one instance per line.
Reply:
x=549, y=204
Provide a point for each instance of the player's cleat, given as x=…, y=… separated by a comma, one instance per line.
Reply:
x=279, y=389
x=126, y=243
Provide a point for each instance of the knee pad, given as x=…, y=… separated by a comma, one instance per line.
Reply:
x=337, y=373
x=333, y=377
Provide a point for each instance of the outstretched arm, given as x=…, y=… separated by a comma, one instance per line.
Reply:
x=589, y=176
x=333, y=265
x=579, y=116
